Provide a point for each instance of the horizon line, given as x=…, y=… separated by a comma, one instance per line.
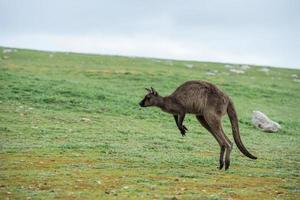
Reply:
x=149, y=57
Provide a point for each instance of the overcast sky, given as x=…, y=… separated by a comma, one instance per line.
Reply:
x=264, y=32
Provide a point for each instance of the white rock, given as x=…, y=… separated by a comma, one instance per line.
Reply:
x=228, y=66
x=210, y=73
x=264, y=69
x=294, y=76
x=245, y=67
x=85, y=119
x=189, y=65
x=237, y=71
x=260, y=120
x=7, y=50
x=155, y=60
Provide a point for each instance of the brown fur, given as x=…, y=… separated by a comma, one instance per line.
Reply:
x=209, y=104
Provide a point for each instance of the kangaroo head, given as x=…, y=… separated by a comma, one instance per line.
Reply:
x=151, y=99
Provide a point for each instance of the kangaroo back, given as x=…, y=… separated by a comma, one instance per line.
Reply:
x=235, y=130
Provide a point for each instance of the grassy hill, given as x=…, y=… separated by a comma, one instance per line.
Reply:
x=71, y=127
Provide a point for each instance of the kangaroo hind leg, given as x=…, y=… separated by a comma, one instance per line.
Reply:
x=204, y=123
x=214, y=122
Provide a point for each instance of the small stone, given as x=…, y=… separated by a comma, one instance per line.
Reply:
x=85, y=119
x=7, y=50
x=152, y=187
x=297, y=80
x=210, y=73
x=114, y=192
x=189, y=65
x=245, y=67
x=237, y=71
x=294, y=76
x=264, y=69
x=98, y=182
x=228, y=66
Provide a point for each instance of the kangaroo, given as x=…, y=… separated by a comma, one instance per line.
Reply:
x=209, y=104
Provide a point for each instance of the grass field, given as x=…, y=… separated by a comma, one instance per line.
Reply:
x=71, y=128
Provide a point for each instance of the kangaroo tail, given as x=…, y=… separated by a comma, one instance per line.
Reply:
x=235, y=130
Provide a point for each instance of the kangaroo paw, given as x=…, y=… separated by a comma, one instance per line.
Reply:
x=183, y=134
x=185, y=128
x=221, y=164
x=227, y=164
x=182, y=131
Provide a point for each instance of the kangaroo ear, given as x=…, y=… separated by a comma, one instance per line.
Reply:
x=154, y=91
x=148, y=90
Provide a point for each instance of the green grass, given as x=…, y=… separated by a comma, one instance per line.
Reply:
x=71, y=127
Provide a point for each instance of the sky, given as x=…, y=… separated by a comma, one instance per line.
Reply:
x=262, y=32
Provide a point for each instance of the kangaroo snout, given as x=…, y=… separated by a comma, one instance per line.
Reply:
x=142, y=104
